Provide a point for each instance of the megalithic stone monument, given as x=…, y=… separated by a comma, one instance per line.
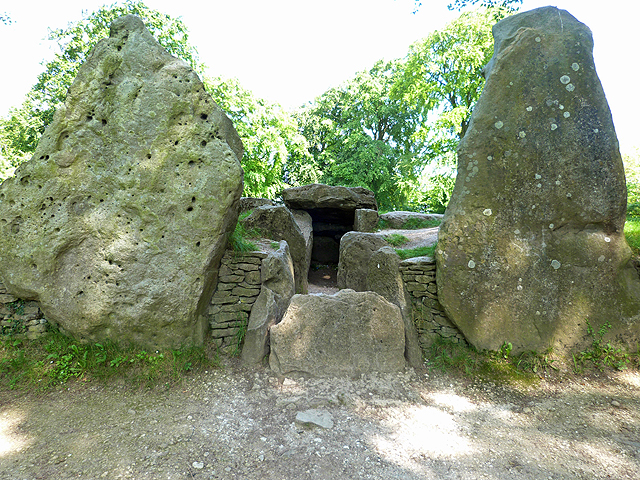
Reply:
x=118, y=222
x=532, y=245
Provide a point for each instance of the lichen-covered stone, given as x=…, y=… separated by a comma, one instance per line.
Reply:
x=348, y=334
x=118, y=222
x=532, y=242
x=356, y=249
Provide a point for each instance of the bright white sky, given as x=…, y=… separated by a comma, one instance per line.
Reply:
x=290, y=51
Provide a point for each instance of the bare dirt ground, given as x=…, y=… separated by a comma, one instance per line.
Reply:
x=239, y=424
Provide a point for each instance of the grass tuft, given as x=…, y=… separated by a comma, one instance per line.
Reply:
x=55, y=359
x=416, y=252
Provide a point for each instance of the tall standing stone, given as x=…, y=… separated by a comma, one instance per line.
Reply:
x=118, y=223
x=532, y=242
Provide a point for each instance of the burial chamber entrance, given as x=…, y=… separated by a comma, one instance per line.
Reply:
x=333, y=211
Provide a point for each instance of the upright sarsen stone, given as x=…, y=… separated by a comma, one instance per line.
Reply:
x=118, y=223
x=532, y=243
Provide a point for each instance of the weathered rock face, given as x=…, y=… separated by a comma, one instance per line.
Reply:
x=399, y=219
x=532, y=241
x=249, y=203
x=365, y=220
x=384, y=278
x=345, y=334
x=279, y=223
x=278, y=287
x=332, y=210
x=117, y=224
x=356, y=249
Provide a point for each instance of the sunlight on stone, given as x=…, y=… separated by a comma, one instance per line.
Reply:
x=418, y=432
x=10, y=441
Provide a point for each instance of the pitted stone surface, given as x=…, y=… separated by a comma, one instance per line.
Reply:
x=540, y=196
x=117, y=224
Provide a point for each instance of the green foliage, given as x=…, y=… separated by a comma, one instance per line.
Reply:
x=275, y=152
x=507, y=6
x=632, y=173
x=55, y=359
x=437, y=190
x=416, y=252
x=24, y=125
x=359, y=135
x=600, y=354
x=239, y=239
x=632, y=234
x=396, y=239
x=442, y=79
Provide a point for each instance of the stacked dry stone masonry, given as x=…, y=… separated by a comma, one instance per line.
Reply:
x=237, y=290
x=419, y=276
x=20, y=318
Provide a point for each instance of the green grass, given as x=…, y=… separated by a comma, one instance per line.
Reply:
x=54, y=359
x=396, y=239
x=239, y=241
x=416, y=252
x=632, y=233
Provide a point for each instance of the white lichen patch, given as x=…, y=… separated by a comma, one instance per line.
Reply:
x=553, y=126
x=566, y=114
x=471, y=264
x=568, y=195
x=517, y=231
x=561, y=107
x=565, y=79
x=498, y=124
x=601, y=258
x=538, y=39
x=607, y=239
x=487, y=212
x=551, y=225
x=555, y=264
x=575, y=66
x=570, y=87
x=519, y=287
x=475, y=169
x=539, y=185
x=558, y=182
x=538, y=176
x=489, y=157
x=529, y=108
x=522, y=134
x=595, y=130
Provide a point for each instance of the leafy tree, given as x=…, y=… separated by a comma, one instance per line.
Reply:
x=508, y=5
x=275, y=153
x=361, y=136
x=25, y=125
x=442, y=79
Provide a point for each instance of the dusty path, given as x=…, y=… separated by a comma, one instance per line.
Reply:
x=237, y=424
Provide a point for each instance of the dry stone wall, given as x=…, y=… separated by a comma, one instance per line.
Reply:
x=238, y=288
x=20, y=318
x=419, y=276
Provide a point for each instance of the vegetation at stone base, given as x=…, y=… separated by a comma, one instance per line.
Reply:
x=55, y=359
x=396, y=239
x=22, y=129
x=601, y=354
x=416, y=252
x=527, y=368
